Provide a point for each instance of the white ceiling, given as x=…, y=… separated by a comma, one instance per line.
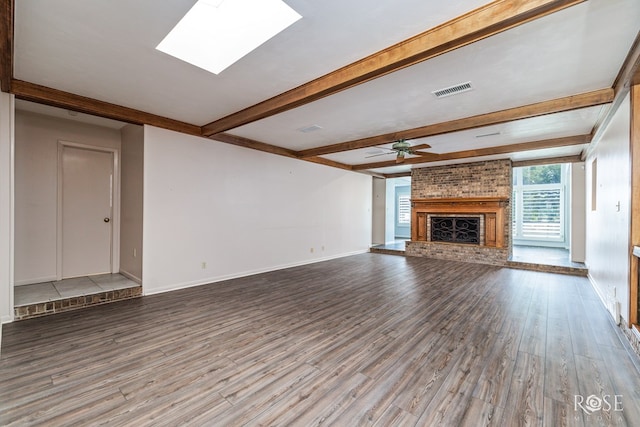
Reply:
x=106, y=50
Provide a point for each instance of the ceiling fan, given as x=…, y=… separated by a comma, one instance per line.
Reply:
x=402, y=148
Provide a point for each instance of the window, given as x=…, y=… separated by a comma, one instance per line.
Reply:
x=402, y=228
x=215, y=33
x=539, y=203
x=404, y=209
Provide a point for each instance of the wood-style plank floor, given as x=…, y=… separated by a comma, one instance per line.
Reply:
x=364, y=340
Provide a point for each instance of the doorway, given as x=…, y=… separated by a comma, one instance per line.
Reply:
x=397, y=228
x=86, y=212
x=541, y=214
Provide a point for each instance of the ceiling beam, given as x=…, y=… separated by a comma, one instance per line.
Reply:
x=397, y=175
x=493, y=18
x=6, y=44
x=490, y=151
x=253, y=144
x=548, y=161
x=630, y=71
x=628, y=76
x=57, y=98
x=558, y=105
x=327, y=162
x=272, y=149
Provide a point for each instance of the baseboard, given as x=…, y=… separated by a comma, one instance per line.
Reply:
x=6, y=319
x=632, y=334
x=614, y=311
x=206, y=281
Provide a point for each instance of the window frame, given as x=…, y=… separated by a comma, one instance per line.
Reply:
x=518, y=191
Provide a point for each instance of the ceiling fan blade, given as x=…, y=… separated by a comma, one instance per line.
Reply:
x=380, y=154
x=423, y=153
x=420, y=147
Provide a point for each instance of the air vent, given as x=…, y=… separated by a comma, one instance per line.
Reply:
x=452, y=90
x=310, y=128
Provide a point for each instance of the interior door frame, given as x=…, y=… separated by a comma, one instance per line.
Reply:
x=115, y=194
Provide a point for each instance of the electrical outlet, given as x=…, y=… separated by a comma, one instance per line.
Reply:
x=204, y=265
x=311, y=250
x=135, y=253
x=323, y=248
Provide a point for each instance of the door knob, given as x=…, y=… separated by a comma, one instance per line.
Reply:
x=107, y=219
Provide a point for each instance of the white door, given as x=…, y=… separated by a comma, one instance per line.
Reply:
x=87, y=200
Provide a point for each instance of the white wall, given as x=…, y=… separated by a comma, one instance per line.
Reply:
x=36, y=159
x=242, y=211
x=609, y=225
x=6, y=207
x=379, y=209
x=577, y=245
x=131, y=170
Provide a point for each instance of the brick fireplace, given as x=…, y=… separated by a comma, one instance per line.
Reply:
x=479, y=190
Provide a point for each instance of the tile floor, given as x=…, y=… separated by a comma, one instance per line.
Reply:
x=69, y=288
x=544, y=256
x=398, y=245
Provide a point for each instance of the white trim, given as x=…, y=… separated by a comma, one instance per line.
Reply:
x=115, y=194
x=7, y=204
x=12, y=203
x=602, y=298
x=210, y=280
x=594, y=285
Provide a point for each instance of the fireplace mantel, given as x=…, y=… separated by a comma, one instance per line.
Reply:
x=491, y=208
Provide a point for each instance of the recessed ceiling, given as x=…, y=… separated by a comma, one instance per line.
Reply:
x=106, y=51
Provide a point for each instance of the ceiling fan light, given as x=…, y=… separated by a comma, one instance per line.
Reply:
x=401, y=144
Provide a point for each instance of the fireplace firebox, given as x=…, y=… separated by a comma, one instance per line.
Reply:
x=455, y=229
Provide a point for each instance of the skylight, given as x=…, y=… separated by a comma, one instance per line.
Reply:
x=216, y=33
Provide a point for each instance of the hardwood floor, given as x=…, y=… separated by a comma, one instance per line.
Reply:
x=365, y=340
